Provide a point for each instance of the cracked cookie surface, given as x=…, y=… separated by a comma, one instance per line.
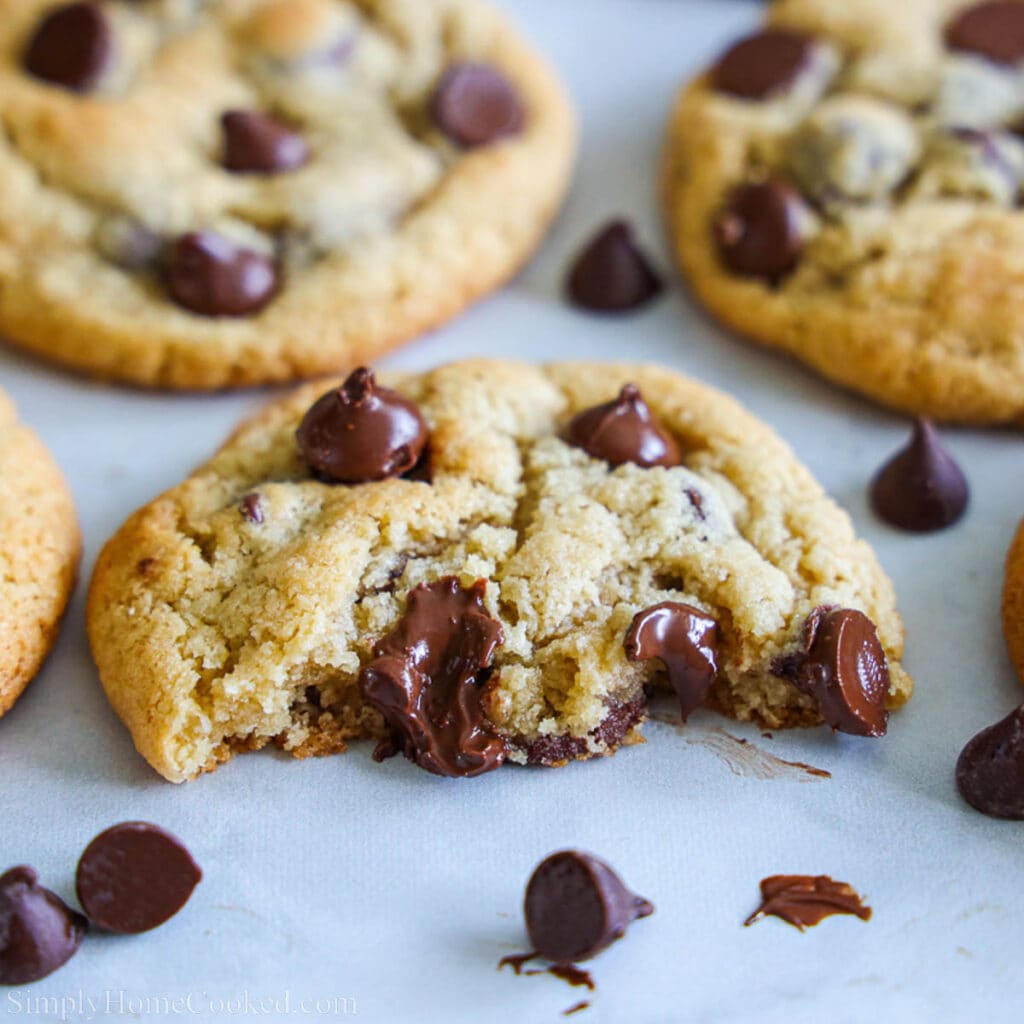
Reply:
x=242, y=191
x=897, y=129
x=241, y=607
x=40, y=546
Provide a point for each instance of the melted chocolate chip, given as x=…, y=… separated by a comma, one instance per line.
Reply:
x=38, y=932
x=844, y=668
x=554, y=750
x=806, y=900
x=990, y=769
x=611, y=274
x=252, y=508
x=361, y=432
x=759, y=232
x=71, y=47
x=256, y=143
x=210, y=275
x=576, y=906
x=685, y=640
x=994, y=30
x=474, y=104
x=135, y=876
x=763, y=65
x=427, y=678
x=623, y=430
x=921, y=488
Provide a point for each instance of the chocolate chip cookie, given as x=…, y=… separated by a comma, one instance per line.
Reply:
x=1013, y=601
x=845, y=185
x=40, y=546
x=489, y=563
x=206, y=195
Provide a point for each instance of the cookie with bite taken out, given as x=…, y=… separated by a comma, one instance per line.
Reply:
x=489, y=563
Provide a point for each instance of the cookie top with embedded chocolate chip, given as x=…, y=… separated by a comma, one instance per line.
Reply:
x=39, y=550
x=845, y=184
x=206, y=195
x=568, y=537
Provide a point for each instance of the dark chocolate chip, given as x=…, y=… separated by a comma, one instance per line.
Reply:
x=210, y=275
x=38, y=932
x=611, y=274
x=990, y=769
x=685, y=640
x=256, y=143
x=71, y=46
x=474, y=104
x=844, y=668
x=361, y=432
x=623, y=430
x=576, y=906
x=760, y=232
x=252, y=508
x=554, y=750
x=921, y=488
x=427, y=680
x=763, y=65
x=994, y=30
x=806, y=900
x=135, y=876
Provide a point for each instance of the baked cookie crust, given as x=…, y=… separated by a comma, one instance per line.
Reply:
x=910, y=285
x=40, y=545
x=388, y=229
x=239, y=608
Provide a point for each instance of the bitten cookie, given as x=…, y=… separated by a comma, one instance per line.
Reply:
x=206, y=195
x=1013, y=601
x=39, y=549
x=845, y=185
x=489, y=562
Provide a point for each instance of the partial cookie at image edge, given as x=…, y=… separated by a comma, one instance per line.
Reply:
x=909, y=356
x=1013, y=601
x=471, y=234
x=40, y=547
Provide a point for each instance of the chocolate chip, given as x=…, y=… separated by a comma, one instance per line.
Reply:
x=921, y=488
x=685, y=640
x=361, y=432
x=474, y=104
x=210, y=275
x=256, y=143
x=38, y=932
x=427, y=678
x=994, y=30
x=623, y=430
x=760, y=230
x=763, y=65
x=71, y=46
x=135, y=876
x=576, y=906
x=806, y=900
x=990, y=769
x=252, y=508
x=844, y=668
x=611, y=274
